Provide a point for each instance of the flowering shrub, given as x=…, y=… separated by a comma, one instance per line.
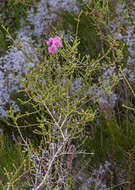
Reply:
x=58, y=88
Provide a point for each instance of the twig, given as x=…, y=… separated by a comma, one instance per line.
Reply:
x=118, y=185
x=65, y=153
x=43, y=183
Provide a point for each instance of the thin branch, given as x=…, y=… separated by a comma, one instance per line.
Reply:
x=127, y=182
x=65, y=153
x=56, y=123
x=43, y=183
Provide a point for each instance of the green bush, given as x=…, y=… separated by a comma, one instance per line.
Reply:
x=58, y=90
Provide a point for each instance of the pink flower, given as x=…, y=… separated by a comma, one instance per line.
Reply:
x=52, y=49
x=57, y=42
x=54, y=44
x=49, y=42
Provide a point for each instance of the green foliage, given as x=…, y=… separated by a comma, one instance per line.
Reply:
x=17, y=10
x=11, y=13
x=58, y=91
x=48, y=86
x=90, y=27
x=13, y=162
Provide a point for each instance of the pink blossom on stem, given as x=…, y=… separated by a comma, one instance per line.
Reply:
x=50, y=42
x=52, y=49
x=54, y=44
x=57, y=42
